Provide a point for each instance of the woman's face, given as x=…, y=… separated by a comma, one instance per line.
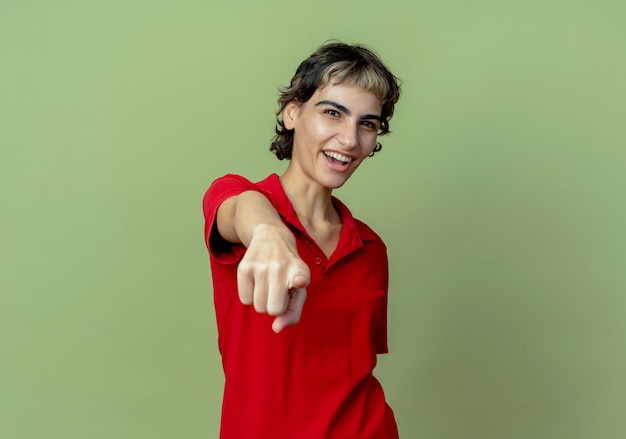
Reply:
x=334, y=132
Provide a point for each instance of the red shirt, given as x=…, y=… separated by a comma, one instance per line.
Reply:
x=314, y=379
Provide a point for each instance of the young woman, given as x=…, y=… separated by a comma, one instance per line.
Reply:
x=300, y=285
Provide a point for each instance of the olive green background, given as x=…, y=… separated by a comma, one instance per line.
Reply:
x=500, y=194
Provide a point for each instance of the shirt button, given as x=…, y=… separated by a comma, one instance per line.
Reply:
x=318, y=261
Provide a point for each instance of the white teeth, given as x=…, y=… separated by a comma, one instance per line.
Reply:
x=337, y=156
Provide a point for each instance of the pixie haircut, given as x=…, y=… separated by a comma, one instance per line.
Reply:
x=337, y=63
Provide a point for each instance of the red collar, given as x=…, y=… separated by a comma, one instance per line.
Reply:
x=353, y=233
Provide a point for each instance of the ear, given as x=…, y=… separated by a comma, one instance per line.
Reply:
x=290, y=114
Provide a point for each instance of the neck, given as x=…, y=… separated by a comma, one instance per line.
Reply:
x=314, y=206
x=312, y=203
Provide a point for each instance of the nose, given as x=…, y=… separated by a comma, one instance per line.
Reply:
x=348, y=137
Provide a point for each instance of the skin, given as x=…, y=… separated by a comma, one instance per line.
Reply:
x=341, y=120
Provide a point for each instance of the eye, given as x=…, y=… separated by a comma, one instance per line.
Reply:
x=332, y=112
x=369, y=124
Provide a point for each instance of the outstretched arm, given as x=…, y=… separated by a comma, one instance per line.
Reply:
x=271, y=276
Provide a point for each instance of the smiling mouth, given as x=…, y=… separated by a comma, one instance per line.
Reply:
x=338, y=158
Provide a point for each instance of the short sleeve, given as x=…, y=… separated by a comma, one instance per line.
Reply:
x=219, y=191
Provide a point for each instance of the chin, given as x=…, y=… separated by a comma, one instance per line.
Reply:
x=334, y=180
x=334, y=184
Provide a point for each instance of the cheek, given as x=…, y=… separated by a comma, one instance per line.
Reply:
x=314, y=133
x=369, y=143
x=324, y=131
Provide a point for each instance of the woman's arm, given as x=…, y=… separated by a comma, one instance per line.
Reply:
x=271, y=276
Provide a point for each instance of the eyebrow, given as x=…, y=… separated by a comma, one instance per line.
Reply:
x=345, y=110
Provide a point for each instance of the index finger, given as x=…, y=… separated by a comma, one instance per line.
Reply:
x=292, y=316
